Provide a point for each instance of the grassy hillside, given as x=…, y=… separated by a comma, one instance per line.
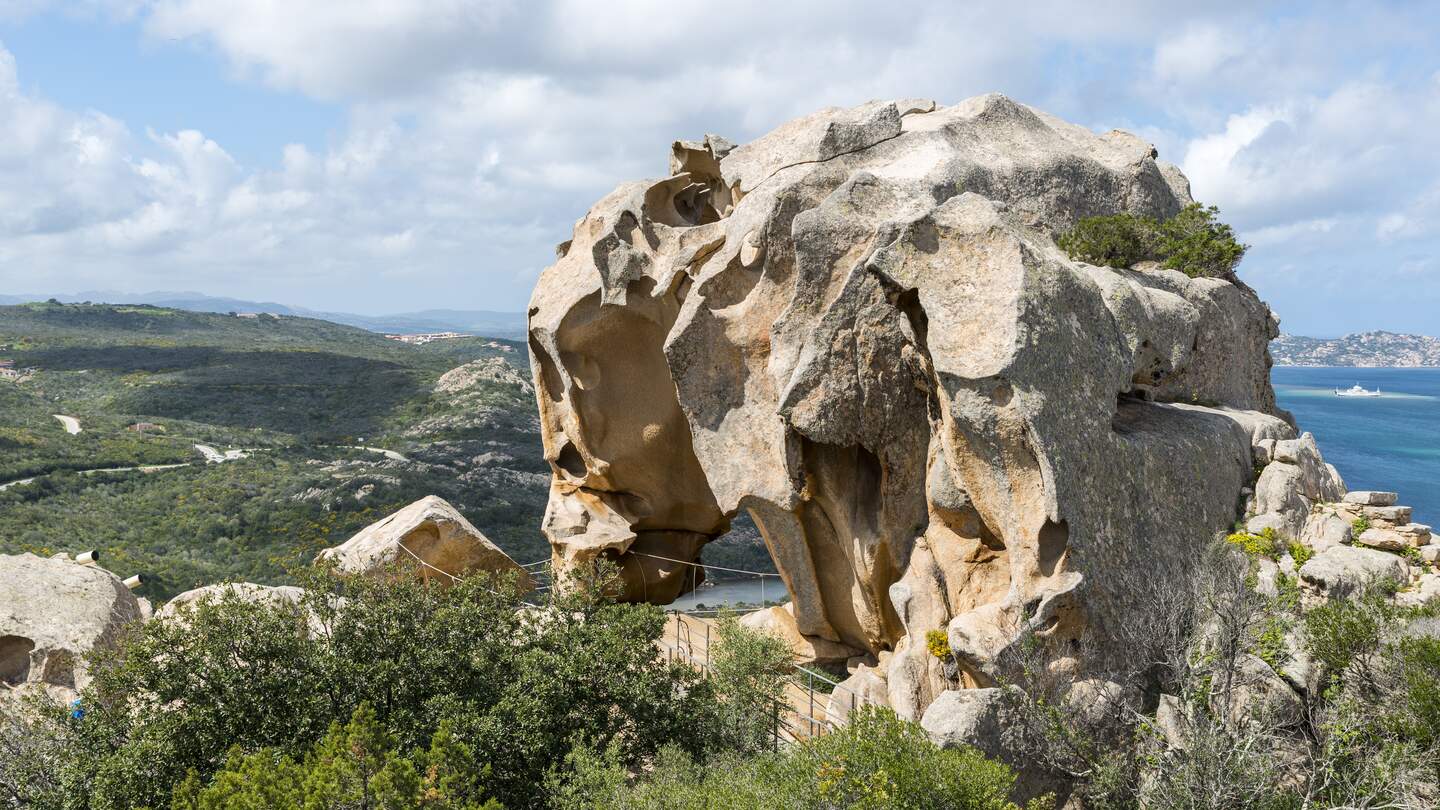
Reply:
x=295, y=393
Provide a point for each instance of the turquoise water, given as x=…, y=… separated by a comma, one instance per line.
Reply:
x=1390, y=443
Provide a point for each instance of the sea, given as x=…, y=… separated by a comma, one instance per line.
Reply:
x=1391, y=442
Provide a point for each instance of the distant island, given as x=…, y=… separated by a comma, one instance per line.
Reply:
x=1364, y=349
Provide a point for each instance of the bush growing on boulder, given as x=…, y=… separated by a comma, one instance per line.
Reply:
x=514, y=687
x=1193, y=241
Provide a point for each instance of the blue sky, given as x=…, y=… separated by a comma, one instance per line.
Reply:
x=380, y=156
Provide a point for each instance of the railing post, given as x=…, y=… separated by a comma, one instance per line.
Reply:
x=810, y=679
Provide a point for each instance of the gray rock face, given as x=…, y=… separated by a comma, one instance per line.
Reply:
x=864, y=688
x=1371, y=498
x=1343, y=570
x=1291, y=484
x=52, y=613
x=245, y=591
x=430, y=536
x=978, y=718
x=859, y=328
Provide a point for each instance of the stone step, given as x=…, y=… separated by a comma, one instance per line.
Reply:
x=1371, y=498
x=1386, y=539
x=1419, y=531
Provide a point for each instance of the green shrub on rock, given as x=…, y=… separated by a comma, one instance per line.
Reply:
x=1193, y=241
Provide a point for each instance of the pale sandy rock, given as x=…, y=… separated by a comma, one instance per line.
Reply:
x=276, y=595
x=864, y=687
x=1344, y=570
x=1371, y=498
x=859, y=328
x=779, y=621
x=430, y=536
x=1172, y=722
x=53, y=612
x=1270, y=520
x=1430, y=553
x=1259, y=695
x=1098, y=703
x=1386, y=539
x=1419, y=533
x=978, y=718
x=1264, y=452
x=1324, y=530
x=1389, y=516
x=1293, y=483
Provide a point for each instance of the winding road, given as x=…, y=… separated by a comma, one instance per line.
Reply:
x=72, y=425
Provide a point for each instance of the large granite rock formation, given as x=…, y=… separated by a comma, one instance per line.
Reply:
x=860, y=329
x=430, y=536
x=53, y=612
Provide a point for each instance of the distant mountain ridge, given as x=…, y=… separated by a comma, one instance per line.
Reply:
x=487, y=323
x=1363, y=349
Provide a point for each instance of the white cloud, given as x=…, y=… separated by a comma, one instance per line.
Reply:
x=479, y=130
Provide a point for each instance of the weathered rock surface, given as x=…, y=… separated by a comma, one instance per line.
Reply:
x=1371, y=498
x=979, y=718
x=865, y=687
x=859, y=329
x=1344, y=570
x=779, y=621
x=245, y=591
x=52, y=613
x=429, y=535
x=1291, y=485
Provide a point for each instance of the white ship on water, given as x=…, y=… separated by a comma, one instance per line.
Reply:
x=1356, y=391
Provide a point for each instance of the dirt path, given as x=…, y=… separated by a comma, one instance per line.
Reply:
x=72, y=425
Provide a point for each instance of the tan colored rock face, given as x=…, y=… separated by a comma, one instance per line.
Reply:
x=53, y=612
x=859, y=328
x=430, y=535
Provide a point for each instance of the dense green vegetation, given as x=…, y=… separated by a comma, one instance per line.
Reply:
x=445, y=697
x=1193, y=241
x=295, y=392
x=876, y=762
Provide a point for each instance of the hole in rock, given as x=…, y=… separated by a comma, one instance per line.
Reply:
x=15, y=659
x=570, y=461
x=549, y=375
x=734, y=564
x=1054, y=539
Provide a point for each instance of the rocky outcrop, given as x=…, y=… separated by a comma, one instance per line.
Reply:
x=429, y=536
x=859, y=328
x=1344, y=570
x=279, y=595
x=54, y=612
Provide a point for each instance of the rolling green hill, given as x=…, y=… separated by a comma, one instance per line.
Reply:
x=296, y=394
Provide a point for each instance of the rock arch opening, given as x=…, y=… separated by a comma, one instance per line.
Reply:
x=15, y=659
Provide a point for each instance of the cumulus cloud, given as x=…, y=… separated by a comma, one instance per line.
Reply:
x=479, y=130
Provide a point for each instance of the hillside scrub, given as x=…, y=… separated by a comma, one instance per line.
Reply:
x=187, y=703
x=1193, y=241
x=1230, y=729
x=875, y=762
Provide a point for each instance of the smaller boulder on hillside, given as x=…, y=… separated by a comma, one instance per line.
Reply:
x=53, y=612
x=1345, y=570
x=429, y=535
